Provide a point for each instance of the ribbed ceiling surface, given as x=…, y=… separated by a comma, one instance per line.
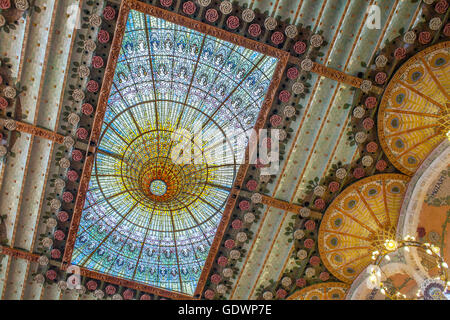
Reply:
x=40, y=51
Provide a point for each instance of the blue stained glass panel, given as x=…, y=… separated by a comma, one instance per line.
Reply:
x=147, y=218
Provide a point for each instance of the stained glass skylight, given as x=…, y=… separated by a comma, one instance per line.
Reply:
x=147, y=217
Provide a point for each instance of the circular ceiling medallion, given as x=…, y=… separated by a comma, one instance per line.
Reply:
x=158, y=187
x=359, y=221
x=414, y=113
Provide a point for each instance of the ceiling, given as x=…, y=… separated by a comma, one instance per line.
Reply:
x=42, y=51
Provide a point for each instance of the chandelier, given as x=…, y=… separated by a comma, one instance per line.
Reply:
x=430, y=289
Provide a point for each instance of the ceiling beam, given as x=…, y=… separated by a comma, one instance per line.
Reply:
x=20, y=254
x=34, y=130
x=336, y=75
x=287, y=206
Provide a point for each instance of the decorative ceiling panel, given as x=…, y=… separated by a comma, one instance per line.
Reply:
x=39, y=221
x=148, y=216
x=415, y=108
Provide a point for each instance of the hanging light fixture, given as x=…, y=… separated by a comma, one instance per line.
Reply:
x=389, y=246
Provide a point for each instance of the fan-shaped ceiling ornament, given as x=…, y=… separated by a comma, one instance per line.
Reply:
x=322, y=291
x=414, y=113
x=358, y=222
x=151, y=214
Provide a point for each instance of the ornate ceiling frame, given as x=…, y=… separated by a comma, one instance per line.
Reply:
x=125, y=8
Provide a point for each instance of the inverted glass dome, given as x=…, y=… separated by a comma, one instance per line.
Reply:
x=148, y=217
